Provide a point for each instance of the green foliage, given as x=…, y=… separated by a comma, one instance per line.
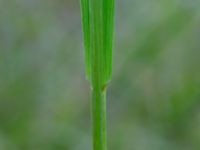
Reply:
x=154, y=97
x=97, y=20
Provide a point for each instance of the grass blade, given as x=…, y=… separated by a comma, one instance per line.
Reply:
x=97, y=21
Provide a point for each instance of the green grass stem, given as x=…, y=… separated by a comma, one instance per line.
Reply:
x=97, y=21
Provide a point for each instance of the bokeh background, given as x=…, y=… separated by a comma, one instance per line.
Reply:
x=153, y=99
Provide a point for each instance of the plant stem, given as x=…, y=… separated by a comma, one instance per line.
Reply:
x=98, y=22
x=99, y=119
x=98, y=102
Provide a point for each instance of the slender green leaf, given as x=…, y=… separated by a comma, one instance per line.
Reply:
x=97, y=20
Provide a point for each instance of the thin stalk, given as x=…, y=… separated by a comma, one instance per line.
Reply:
x=99, y=119
x=97, y=21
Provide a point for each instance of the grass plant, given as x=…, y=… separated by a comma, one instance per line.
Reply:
x=97, y=22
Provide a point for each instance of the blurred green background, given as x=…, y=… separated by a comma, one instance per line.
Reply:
x=154, y=96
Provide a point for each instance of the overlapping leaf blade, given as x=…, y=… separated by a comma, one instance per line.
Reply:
x=97, y=20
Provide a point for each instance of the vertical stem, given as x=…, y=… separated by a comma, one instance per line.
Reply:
x=97, y=18
x=97, y=75
x=99, y=119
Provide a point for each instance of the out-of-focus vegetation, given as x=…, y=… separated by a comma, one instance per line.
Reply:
x=154, y=97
